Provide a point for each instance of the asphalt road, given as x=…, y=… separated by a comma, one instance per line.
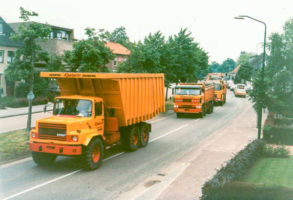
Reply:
x=171, y=139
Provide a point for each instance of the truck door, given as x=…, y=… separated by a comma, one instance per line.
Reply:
x=99, y=116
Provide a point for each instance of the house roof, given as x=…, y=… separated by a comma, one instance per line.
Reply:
x=5, y=37
x=236, y=69
x=117, y=48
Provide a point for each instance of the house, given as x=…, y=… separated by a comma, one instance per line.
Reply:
x=233, y=73
x=59, y=40
x=120, y=52
x=7, y=51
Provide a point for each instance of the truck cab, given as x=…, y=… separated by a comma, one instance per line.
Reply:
x=220, y=91
x=191, y=98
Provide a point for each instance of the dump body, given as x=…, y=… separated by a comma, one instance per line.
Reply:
x=193, y=98
x=132, y=98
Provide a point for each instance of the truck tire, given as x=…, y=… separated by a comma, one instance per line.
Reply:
x=92, y=155
x=132, y=139
x=203, y=112
x=43, y=159
x=212, y=108
x=144, y=135
x=209, y=110
x=178, y=115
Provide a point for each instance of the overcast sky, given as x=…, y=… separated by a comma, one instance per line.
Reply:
x=211, y=22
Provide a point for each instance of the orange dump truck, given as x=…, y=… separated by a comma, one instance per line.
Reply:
x=215, y=76
x=193, y=98
x=94, y=111
x=220, y=91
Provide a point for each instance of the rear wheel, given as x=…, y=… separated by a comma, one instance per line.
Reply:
x=144, y=135
x=93, y=154
x=178, y=115
x=43, y=159
x=131, y=138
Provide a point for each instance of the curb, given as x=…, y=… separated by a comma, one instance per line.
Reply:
x=19, y=114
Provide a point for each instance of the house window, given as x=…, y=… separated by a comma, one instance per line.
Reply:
x=59, y=35
x=1, y=28
x=115, y=62
x=1, y=56
x=10, y=56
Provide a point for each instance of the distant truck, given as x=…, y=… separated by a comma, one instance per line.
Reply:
x=94, y=111
x=220, y=91
x=215, y=76
x=193, y=98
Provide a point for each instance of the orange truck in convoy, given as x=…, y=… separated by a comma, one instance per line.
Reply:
x=193, y=98
x=215, y=76
x=95, y=111
x=220, y=91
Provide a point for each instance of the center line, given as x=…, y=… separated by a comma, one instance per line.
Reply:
x=76, y=171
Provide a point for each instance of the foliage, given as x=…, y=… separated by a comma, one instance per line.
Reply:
x=179, y=58
x=228, y=65
x=234, y=170
x=245, y=191
x=118, y=35
x=244, y=57
x=214, y=67
x=30, y=53
x=278, y=135
x=89, y=55
x=21, y=102
x=277, y=151
x=244, y=72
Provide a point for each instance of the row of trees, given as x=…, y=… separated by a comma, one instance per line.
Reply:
x=178, y=56
x=278, y=90
x=227, y=66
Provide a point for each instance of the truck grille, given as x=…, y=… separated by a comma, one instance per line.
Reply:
x=187, y=100
x=186, y=106
x=52, y=131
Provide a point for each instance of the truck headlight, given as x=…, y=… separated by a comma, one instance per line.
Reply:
x=175, y=106
x=34, y=135
x=74, y=138
x=198, y=106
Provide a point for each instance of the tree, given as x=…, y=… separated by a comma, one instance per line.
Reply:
x=244, y=72
x=244, y=57
x=119, y=35
x=90, y=55
x=228, y=65
x=214, y=67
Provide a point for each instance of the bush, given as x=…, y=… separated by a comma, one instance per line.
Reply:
x=278, y=135
x=168, y=106
x=21, y=102
x=245, y=191
x=234, y=170
x=279, y=151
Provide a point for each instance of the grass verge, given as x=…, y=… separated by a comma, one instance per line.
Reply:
x=272, y=172
x=13, y=145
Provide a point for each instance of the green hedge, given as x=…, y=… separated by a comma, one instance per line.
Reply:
x=248, y=191
x=278, y=135
x=20, y=102
x=234, y=170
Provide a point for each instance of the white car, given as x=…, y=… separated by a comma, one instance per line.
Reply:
x=240, y=90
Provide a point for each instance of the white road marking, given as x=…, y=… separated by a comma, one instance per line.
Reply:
x=41, y=185
x=170, y=132
x=74, y=172
x=157, y=120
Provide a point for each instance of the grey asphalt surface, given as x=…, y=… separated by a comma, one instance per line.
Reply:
x=170, y=140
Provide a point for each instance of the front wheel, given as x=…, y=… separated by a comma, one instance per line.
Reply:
x=92, y=156
x=43, y=159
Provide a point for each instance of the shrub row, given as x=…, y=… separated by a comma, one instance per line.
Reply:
x=278, y=135
x=234, y=170
x=20, y=102
x=245, y=191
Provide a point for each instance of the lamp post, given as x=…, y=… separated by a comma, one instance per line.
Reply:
x=262, y=92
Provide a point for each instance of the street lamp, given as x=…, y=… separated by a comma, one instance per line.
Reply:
x=260, y=104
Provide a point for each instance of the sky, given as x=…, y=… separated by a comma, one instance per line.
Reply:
x=211, y=22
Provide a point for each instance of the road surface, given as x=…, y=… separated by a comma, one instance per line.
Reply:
x=170, y=140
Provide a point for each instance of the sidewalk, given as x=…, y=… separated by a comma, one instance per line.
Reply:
x=12, y=112
x=204, y=161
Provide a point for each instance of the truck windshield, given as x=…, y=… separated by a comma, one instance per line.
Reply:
x=74, y=107
x=187, y=91
x=217, y=87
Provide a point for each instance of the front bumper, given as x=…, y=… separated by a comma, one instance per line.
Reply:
x=55, y=149
x=187, y=110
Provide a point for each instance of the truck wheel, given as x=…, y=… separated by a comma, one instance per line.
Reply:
x=92, y=155
x=132, y=139
x=178, y=115
x=212, y=108
x=209, y=110
x=43, y=159
x=144, y=135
